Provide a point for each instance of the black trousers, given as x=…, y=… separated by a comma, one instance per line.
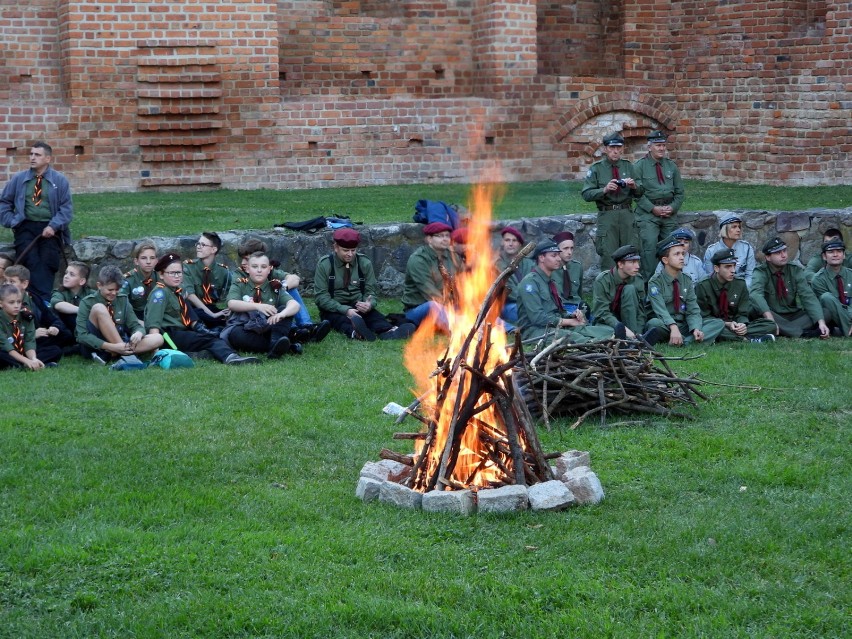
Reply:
x=189, y=341
x=254, y=342
x=46, y=354
x=374, y=320
x=42, y=259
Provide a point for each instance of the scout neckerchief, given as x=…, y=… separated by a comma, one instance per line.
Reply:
x=111, y=311
x=723, y=303
x=676, y=295
x=184, y=309
x=17, y=337
x=37, y=191
x=449, y=282
x=780, y=285
x=615, y=305
x=660, y=177
x=615, y=176
x=258, y=297
x=841, y=290
x=566, y=282
x=206, y=286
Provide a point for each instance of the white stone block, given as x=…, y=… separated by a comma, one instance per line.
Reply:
x=368, y=489
x=461, y=502
x=503, y=500
x=571, y=459
x=584, y=484
x=550, y=495
x=399, y=495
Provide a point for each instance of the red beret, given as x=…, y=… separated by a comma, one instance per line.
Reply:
x=459, y=236
x=346, y=238
x=564, y=235
x=163, y=262
x=437, y=227
x=511, y=230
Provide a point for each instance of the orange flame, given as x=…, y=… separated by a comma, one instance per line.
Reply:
x=473, y=466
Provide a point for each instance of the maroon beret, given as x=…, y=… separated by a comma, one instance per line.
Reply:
x=564, y=235
x=346, y=238
x=511, y=230
x=459, y=236
x=163, y=262
x=437, y=227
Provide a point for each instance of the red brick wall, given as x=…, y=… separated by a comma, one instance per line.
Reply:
x=301, y=93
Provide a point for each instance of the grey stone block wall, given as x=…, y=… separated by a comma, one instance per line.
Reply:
x=390, y=245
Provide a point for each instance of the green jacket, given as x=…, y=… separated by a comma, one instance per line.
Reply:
x=816, y=263
x=137, y=287
x=800, y=296
x=599, y=175
x=122, y=313
x=603, y=293
x=512, y=283
x=25, y=326
x=645, y=172
x=243, y=289
x=825, y=281
x=661, y=300
x=64, y=295
x=362, y=283
x=739, y=304
x=569, y=282
x=537, y=310
x=162, y=310
x=423, y=279
x=220, y=280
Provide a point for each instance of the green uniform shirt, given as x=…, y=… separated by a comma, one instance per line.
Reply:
x=600, y=174
x=220, y=280
x=603, y=294
x=825, y=281
x=243, y=289
x=423, y=279
x=137, y=287
x=661, y=300
x=65, y=295
x=816, y=263
x=800, y=295
x=362, y=283
x=40, y=213
x=569, y=282
x=645, y=172
x=538, y=311
x=122, y=313
x=162, y=311
x=25, y=326
x=526, y=266
x=739, y=305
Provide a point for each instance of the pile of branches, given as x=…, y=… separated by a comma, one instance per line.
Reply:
x=613, y=376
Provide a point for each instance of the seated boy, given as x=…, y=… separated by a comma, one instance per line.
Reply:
x=261, y=312
x=167, y=313
x=50, y=331
x=17, y=335
x=675, y=316
x=206, y=281
x=139, y=282
x=107, y=328
x=618, y=294
x=66, y=299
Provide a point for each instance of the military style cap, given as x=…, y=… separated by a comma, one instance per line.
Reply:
x=437, y=227
x=347, y=238
x=511, y=230
x=460, y=235
x=564, y=235
x=163, y=263
x=657, y=136
x=545, y=246
x=666, y=244
x=730, y=220
x=773, y=246
x=725, y=256
x=613, y=139
x=624, y=253
x=683, y=234
x=833, y=244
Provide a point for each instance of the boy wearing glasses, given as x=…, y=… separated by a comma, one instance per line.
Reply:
x=206, y=281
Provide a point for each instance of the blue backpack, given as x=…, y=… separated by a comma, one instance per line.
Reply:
x=428, y=211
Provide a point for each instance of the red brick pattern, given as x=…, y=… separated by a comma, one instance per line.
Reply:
x=304, y=93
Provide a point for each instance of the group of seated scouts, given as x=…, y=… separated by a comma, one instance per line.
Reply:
x=201, y=307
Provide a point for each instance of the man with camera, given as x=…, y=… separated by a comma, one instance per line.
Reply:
x=610, y=185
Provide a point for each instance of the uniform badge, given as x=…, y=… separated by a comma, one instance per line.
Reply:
x=158, y=296
x=10, y=340
x=529, y=288
x=589, y=173
x=654, y=291
x=139, y=291
x=247, y=298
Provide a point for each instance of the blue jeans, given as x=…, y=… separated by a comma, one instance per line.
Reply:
x=302, y=317
x=418, y=314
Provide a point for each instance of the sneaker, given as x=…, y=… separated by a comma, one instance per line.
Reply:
x=301, y=334
x=763, y=339
x=403, y=331
x=237, y=360
x=836, y=331
x=52, y=365
x=128, y=363
x=281, y=346
x=319, y=331
x=296, y=348
x=97, y=358
x=362, y=331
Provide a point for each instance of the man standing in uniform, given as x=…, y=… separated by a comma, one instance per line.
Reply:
x=780, y=292
x=36, y=205
x=345, y=291
x=833, y=286
x=662, y=196
x=609, y=184
x=430, y=277
x=618, y=294
x=540, y=309
x=724, y=296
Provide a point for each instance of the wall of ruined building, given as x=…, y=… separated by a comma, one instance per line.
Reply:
x=298, y=93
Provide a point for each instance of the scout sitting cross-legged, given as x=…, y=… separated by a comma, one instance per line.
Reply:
x=261, y=312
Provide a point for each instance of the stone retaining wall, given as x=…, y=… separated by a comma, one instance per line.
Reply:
x=390, y=245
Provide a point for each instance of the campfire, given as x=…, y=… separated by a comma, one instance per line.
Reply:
x=477, y=436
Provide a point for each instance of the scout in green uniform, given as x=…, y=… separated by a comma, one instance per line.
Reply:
x=106, y=324
x=540, y=309
x=207, y=281
x=618, y=295
x=662, y=196
x=780, y=292
x=167, y=313
x=17, y=335
x=346, y=291
x=65, y=300
x=675, y=316
x=610, y=185
x=724, y=296
x=51, y=332
x=833, y=287
x=511, y=243
x=430, y=278
x=817, y=262
x=139, y=282
x=261, y=312
x=569, y=277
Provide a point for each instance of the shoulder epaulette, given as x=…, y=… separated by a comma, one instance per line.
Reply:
x=224, y=266
x=242, y=280
x=189, y=261
x=276, y=285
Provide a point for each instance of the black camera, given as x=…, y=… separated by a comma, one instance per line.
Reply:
x=621, y=183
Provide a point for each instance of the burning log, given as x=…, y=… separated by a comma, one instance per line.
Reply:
x=615, y=376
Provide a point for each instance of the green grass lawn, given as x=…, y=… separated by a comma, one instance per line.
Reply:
x=219, y=502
